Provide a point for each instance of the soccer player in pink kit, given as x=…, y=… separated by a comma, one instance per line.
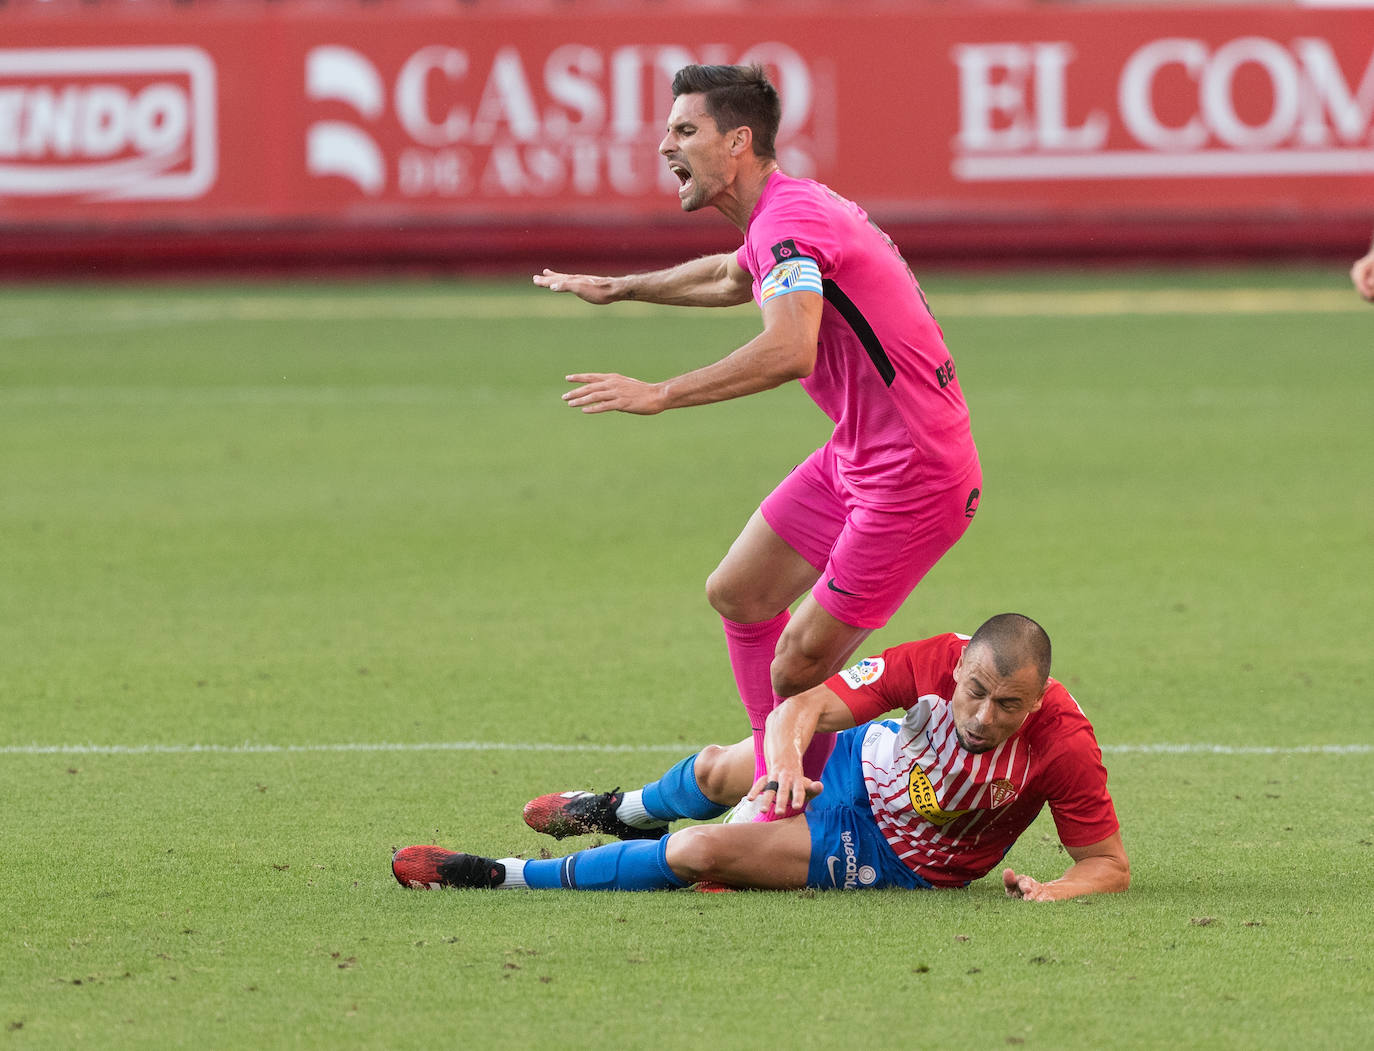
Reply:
x=865, y=517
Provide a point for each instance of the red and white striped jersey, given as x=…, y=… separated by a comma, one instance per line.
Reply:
x=949, y=814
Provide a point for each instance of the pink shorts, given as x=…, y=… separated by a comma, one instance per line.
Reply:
x=869, y=559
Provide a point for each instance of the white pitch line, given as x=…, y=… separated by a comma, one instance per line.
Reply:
x=529, y=746
x=1240, y=749
x=286, y=394
x=360, y=746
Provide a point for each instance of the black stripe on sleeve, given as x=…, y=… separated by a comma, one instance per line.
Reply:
x=852, y=314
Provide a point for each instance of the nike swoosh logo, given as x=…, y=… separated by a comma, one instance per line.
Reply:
x=830, y=864
x=831, y=585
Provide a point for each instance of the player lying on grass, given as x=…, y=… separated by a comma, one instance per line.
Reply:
x=932, y=800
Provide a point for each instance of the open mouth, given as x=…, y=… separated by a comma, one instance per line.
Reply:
x=684, y=177
x=973, y=742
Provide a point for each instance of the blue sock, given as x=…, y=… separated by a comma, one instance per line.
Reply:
x=636, y=864
x=676, y=794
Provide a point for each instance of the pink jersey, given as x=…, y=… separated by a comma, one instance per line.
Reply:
x=949, y=814
x=882, y=374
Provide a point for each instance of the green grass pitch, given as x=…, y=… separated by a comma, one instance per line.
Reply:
x=293, y=575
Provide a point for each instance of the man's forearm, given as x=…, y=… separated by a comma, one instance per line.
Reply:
x=704, y=282
x=1098, y=868
x=792, y=724
x=789, y=730
x=762, y=364
x=1099, y=875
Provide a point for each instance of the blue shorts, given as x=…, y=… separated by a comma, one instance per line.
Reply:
x=847, y=850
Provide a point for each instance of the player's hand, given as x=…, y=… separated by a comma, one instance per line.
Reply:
x=611, y=392
x=784, y=793
x=598, y=290
x=1362, y=275
x=1026, y=888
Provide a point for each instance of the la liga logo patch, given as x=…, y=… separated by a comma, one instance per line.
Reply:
x=865, y=673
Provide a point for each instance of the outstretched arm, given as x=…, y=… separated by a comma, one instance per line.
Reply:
x=1099, y=868
x=711, y=281
x=1362, y=275
x=784, y=350
x=790, y=727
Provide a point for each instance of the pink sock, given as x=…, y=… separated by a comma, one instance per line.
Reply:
x=813, y=762
x=751, y=648
x=815, y=757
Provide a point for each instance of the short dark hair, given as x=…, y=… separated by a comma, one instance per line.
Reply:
x=736, y=96
x=1014, y=641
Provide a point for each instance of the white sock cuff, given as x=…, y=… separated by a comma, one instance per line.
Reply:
x=515, y=873
x=631, y=811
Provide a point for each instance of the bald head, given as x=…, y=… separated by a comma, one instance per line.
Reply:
x=1014, y=642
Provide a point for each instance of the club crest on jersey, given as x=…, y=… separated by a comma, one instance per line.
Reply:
x=785, y=250
x=1002, y=792
x=865, y=673
x=924, y=802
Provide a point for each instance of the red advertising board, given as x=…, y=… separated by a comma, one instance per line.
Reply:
x=1028, y=122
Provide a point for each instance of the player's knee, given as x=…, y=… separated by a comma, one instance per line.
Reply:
x=808, y=654
x=724, y=774
x=713, y=771
x=692, y=853
x=795, y=671
x=726, y=596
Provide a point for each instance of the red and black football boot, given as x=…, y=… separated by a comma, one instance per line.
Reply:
x=563, y=814
x=432, y=868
